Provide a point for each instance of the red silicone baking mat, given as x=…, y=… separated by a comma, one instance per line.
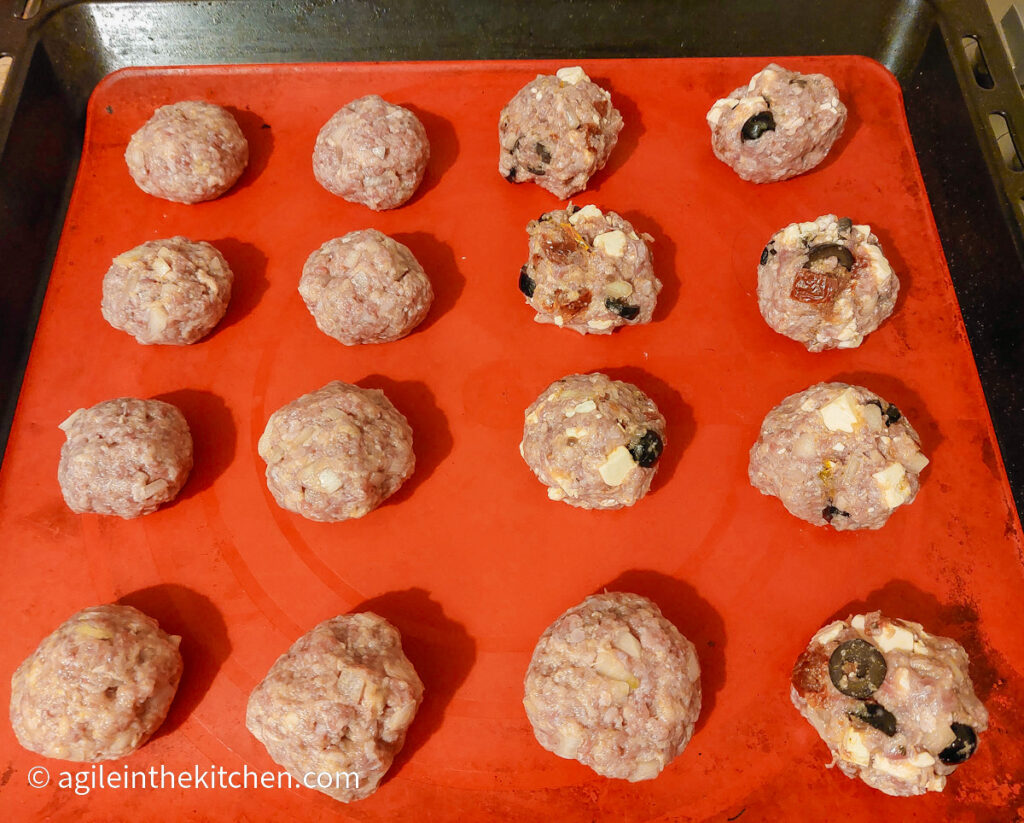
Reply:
x=470, y=559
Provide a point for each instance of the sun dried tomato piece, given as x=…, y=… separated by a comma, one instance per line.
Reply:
x=816, y=287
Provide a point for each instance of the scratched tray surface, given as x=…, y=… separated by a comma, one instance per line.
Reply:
x=470, y=559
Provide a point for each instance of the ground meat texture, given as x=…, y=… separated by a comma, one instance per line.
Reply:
x=826, y=283
x=614, y=684
x=336, y=453
x=167, y=291
x=339, y=701
x=187, y=152
x=124, y=456
x=372, y=152
x=557, y=131
x=588, y=271
x=912, y=717
x=838, y=455
x=781, y=124
x=593, y=441
x=365, y=288
x=98, y=687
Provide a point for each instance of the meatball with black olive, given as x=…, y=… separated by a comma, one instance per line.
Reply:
x=838, y=455
x=593, y=441
x=825, y=283
x=589, y=271
x=557, y=131
x=779, y=125
x=894, y=704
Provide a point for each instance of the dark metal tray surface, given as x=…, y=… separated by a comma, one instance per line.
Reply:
x=946, y=55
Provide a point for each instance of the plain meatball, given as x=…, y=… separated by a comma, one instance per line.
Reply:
x=124, y=456
x=826, y=283
x=188, y=152
x=781, y=124
x=614, y=685
x=839, y=455
x=167, y=291
x=894, y=704
x=588, y=271
x=558, y=131
x=338, y=703
x=98, y=687
x=365, y=288
x=372, y=152
x=593, y=441
x=336, y=453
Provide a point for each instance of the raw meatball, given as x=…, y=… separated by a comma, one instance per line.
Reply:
x=614, y=685
x=337, y=452
x=894, y=704
x=365, y=288
x=98, y=687
x=124, y=456
x=187, y=152
x=839, y=455
x=372, y=152
x=593, y=441
x=781, y=124
x=335, y=707
x=167, y=291
x=825, y=284
x=557, y=131
x=588, y=271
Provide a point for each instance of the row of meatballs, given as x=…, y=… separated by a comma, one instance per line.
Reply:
x=557, y=131
x=824, y=283
x=833, y=454
x=612, y=683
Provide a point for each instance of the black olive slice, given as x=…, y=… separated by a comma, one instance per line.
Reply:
x=646, y=449
x=511, y=176
x=621, y=308
x=857, y=668
x=758, y=124
x=543, y=153
x=764, y=256
x=844, y=225
x=526, y=284
x=962, y=747
x=535, y=172
x=876, y=716
x=831, y=511
x=890, y=412
x=840, y=253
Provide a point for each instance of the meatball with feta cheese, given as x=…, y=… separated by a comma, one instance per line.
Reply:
x=365, y=287
x=124, y=457
x=588, y=271
x=826, y=283
x=593, y=441
x=557, y=131
x=336, y=453
x=894, y=704
x=188, y=152
x=98, y=687
x=372, y=152
x=334, y=709
x=781, y=124
x=838, y=455
x=614, y=685
x=171, y=292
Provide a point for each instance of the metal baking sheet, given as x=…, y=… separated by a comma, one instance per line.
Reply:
x=470, y=559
